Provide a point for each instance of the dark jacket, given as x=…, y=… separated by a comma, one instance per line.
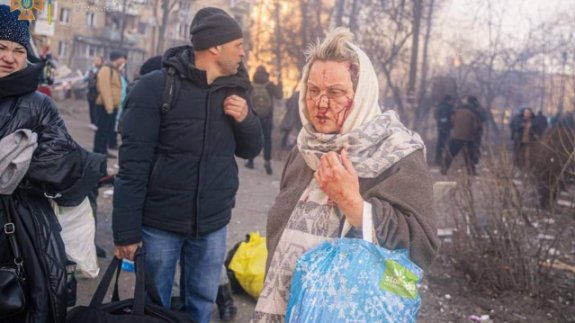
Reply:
x=443, y=115
x=177, y=170
x=465, y=124
x=59, y=168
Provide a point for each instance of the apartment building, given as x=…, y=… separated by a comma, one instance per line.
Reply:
x=82, y=29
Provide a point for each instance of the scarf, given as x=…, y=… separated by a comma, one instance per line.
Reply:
x=21, y=82
x=374, y=140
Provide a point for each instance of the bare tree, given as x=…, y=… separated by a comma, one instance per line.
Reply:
x=281, y=31
x=384, y=34
x=423, y=108
x=165, y=9
x=338, y=12
x=416, y=23
x=488, y=70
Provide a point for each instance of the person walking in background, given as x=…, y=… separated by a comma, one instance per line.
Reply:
x=525, y=133
x=91, y=77
x=465, y=127
x=263, y=94
x=150, y=65
x=109, y=98
x=443, y=121
x=481, y=115
x=540, y=123
x=113, y=143
x=178, y=177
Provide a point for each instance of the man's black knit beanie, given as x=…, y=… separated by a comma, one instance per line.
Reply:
x=215, y=30
x=204, y=13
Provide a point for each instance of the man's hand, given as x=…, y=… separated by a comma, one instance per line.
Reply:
x=236, y=107
x=339, y=180
x=127, y=252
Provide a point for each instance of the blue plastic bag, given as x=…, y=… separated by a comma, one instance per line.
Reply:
x=352, y=280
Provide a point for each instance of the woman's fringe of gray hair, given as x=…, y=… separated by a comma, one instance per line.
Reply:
x=335, y=46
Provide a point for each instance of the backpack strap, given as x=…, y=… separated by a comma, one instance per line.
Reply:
x=171, y=88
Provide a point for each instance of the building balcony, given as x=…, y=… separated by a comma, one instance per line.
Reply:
x=133, y=7
x=114, y=35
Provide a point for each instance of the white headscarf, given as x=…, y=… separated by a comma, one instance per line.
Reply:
x=374, y=140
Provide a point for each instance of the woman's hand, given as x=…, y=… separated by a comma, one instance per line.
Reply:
x=338, y=179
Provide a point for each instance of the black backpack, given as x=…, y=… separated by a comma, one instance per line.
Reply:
x=171, y=90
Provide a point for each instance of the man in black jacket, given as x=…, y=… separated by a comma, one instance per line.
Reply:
x=178, y=177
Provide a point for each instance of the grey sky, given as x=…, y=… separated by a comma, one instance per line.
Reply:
x=466, y=17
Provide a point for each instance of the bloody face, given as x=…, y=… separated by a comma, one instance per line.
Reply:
x=329, y=95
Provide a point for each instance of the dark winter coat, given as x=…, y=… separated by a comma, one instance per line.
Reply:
x=401, y=199
x=540, y=124
x=443, y=116
x=59, y=168
x=465, y=124
x=177, y=170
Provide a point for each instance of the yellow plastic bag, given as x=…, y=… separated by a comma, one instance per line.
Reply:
x=249, y=264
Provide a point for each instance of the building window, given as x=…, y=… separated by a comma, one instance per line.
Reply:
x=91, y=51
x=184, y=30
x=142, y=27
x=90, y=19
x=65, y=16
x=184, y=5
x=62, y=49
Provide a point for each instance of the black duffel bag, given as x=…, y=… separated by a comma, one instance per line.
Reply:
x=130, y=310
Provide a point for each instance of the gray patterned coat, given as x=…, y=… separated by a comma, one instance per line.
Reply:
x=402, y=200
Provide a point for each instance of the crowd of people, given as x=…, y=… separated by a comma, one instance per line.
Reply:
x=460, y=127
x=182, y=123
x=178, y=129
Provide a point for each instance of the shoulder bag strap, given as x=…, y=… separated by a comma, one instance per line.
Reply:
x=171, y=88
x=140, y=290
x=10, y=230
x=98, y=298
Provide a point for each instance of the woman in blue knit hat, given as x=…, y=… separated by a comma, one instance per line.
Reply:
x=39, y=163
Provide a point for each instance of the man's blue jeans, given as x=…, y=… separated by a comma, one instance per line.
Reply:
x=201, y=261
